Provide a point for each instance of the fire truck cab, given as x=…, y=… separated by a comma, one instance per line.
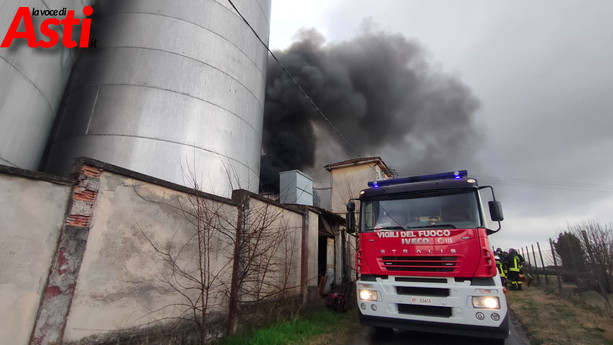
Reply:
x=424, y=262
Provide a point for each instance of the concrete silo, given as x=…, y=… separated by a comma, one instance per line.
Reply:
x=174, y=89
x=32, y=81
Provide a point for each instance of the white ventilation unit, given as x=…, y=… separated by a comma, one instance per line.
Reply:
x=296, y=188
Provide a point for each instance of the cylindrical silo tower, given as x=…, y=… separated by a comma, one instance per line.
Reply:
x=174, y=89
x=32, y=81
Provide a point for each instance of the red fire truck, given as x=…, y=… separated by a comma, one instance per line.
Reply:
x=424, y=261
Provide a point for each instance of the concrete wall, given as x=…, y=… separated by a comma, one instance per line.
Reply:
x=349, y=177
x=31, y=217
x=124, y=282
x=87, y=256
x=272, y=251
x=313, y=248
x=347, y=182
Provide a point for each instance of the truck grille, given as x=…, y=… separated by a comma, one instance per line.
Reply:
x=421, y=280
x=422, y=291
x=424, y=310
x=419, y=263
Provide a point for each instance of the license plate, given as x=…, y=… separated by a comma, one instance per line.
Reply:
x=421, y=300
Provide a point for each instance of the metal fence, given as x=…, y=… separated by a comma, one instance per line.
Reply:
x=586, y=264
x=542, y=264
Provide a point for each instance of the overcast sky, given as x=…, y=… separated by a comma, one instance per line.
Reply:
x=543, y=74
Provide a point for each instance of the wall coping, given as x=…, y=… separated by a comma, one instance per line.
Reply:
x=35, y=175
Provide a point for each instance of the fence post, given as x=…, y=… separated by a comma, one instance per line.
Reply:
x=527, y=256
x=536, y=268
x=555, y=264
x=543, y=263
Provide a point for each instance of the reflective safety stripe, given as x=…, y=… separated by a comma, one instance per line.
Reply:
x=516, y=265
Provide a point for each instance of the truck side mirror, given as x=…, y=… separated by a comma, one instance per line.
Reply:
x=350, y=217
x=496, y=211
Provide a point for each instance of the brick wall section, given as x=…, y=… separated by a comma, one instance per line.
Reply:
x=57, y=297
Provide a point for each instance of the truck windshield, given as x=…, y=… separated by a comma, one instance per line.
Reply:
x=424, y=210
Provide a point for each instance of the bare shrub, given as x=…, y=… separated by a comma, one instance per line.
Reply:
x=231, y=259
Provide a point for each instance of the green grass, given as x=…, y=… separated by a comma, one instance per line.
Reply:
x=294, y=332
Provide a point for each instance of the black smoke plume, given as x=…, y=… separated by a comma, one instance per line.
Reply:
x=381, y=94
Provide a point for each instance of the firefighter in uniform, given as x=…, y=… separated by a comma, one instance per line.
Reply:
x=515, y=262
x=502, y=266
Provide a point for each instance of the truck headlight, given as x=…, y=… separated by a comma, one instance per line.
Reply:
x=486, y=302
x=368, y=295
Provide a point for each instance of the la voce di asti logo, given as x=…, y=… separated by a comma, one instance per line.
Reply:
x=68, y=23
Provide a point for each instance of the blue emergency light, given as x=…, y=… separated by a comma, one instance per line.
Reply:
x=458, y=174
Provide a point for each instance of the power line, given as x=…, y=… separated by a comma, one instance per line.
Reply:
x=295, y=82
x=561, y=185
x=338, y=133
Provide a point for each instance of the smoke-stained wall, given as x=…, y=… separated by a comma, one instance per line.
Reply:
x=174, y=90
x=383, y=95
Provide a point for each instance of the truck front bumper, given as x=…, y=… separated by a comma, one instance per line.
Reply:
x=440, y=305
x=500, y=332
